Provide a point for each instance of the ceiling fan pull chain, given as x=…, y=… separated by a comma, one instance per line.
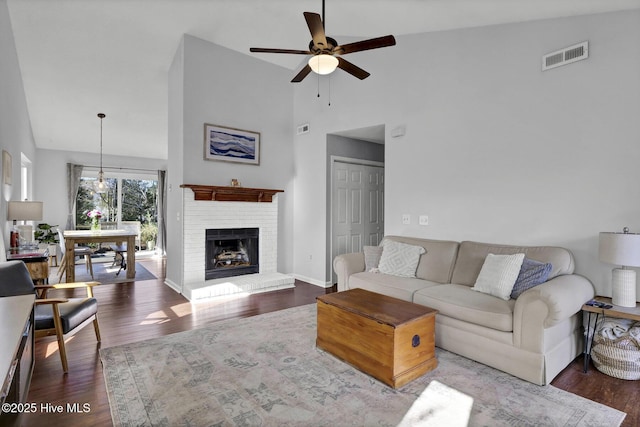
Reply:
x=329, y=90
x=318, y=85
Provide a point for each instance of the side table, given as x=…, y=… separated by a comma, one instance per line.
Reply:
x=632, y=313
x=36, y=260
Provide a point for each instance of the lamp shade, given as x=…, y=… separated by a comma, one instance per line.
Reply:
x=323, y=64
x=25, y=211
x=620, y=248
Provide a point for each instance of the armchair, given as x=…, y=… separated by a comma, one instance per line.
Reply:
x=62, y=317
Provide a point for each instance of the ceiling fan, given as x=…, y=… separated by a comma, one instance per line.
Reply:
x=326, y=52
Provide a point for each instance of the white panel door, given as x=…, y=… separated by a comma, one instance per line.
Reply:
x=357, y=207
x=374, y=228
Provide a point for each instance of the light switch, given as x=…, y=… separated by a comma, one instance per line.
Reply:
x=423, y=220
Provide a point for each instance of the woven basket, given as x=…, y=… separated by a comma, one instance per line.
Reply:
x=618, y=358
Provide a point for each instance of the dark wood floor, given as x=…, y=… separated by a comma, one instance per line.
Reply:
x=136, y=311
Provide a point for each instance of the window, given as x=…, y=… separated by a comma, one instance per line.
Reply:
x=26, y=179
x=130, y=197
x=88, y=200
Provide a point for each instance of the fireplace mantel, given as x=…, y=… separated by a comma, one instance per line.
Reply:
x=231, y=194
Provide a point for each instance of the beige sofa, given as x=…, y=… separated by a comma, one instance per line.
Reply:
x=533, y=337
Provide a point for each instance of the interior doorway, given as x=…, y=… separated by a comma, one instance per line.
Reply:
x=356, y=196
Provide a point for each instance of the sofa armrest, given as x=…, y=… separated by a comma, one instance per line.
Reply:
x=547, y=305
x=345, y=265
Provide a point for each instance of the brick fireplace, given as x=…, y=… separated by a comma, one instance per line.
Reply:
x=228, y=210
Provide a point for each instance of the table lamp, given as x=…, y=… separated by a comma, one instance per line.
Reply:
x=621, y=249
x=24, y=211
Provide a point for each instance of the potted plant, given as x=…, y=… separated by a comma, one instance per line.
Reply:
x=47, y=234
x=149, y=234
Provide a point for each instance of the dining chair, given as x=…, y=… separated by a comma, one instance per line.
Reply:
x=62, y=317
x=77, y=251
x=120, y=256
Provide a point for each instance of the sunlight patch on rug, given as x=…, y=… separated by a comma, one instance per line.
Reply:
x=439, y=405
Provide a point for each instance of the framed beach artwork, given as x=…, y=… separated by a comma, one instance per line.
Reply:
x=231, y=145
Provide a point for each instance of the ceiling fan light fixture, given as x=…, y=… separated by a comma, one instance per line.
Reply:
x=323, y=64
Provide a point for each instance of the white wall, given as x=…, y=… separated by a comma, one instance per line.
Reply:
x=495, y=150
x=15, y=126
x=175, y=255
x=227, y=88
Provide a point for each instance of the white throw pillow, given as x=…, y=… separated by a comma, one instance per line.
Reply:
x=399, y=259
x=498, y=275
x=372, y=256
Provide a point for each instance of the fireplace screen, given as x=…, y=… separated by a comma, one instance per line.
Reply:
x=231, y=252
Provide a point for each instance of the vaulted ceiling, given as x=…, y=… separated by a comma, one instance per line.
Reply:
x=79, y=58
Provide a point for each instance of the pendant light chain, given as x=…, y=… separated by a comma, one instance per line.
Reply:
x=100, y=186
x=101, y=117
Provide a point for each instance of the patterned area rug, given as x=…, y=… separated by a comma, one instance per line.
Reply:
x=265, y=370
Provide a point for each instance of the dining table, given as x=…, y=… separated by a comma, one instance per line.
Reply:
x=73, y=237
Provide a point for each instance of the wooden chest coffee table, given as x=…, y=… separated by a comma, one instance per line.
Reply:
x=388, y=338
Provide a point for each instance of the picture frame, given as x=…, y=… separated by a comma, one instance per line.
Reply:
x=231, y=145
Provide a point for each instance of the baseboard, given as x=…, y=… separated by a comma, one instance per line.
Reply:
x=312, y=281
x=173, y=286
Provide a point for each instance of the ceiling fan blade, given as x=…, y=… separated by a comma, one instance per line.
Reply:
x=268, y=50
x=376, y=43
x=314, y=22
x=302, y=74
x=352, y=69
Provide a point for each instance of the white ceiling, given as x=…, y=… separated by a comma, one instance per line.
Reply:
x=82, y=57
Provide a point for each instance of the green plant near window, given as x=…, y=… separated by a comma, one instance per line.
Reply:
x=46, y=233
x=148, y=232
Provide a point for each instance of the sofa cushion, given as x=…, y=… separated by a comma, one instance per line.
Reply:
x=498, y=275
x=398, y=287
x=371, y=257
x=436, y=264
x=460, y=302
x=400, y=259
x=471, y=256
x=532, y=273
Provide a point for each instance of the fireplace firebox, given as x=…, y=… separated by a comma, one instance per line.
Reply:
x=231, y=252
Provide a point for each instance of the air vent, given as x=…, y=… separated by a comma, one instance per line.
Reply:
x=303, y=129
x=565, y=56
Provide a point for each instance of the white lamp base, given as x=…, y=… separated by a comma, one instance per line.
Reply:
x=26, y=233
x=623, y=287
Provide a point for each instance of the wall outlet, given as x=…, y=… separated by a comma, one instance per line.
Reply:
x=424, y=220
x=406, y=219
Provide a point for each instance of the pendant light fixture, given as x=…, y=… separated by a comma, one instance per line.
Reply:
x=100, y=186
